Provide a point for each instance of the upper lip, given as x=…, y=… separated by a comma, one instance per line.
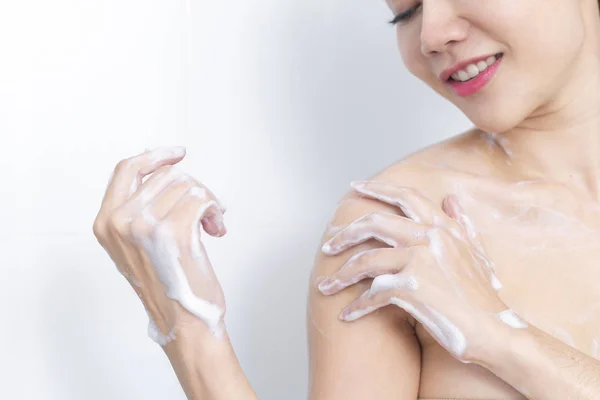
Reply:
x=445, y=75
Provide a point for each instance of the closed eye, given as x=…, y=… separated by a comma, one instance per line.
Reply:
x=406, y=15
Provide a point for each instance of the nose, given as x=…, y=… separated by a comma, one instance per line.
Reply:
x=441, y=26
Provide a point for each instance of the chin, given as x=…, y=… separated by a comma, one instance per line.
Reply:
x=494, y=119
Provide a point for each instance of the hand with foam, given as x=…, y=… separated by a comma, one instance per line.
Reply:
x=151, y=230
x=435, y=268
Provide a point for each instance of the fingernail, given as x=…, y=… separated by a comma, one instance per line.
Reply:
x=349, y=316
x=358, y=185
x=324, y=284
x=328, y=249
x=218, y=217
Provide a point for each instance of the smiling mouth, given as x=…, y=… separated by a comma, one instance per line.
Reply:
x=465, y=73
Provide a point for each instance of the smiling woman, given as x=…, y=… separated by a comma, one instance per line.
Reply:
x=467, y=270
x=527, y=74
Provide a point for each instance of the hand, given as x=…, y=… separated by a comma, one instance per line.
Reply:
x=435, y=268
x=151, y=230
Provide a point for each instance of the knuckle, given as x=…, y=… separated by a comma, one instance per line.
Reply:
x=373, y=216
x=99, y=229
x=356, y=262
x=118, y=222
x=366, y=258
x=122, y=165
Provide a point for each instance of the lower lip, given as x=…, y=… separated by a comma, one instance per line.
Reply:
x=474, y=85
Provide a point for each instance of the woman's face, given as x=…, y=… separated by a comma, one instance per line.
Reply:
x=541, y=40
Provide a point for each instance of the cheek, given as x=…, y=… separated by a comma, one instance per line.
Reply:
x=542, y=34
x=409, y=46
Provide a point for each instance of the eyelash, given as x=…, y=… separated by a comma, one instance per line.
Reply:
x=405, y=16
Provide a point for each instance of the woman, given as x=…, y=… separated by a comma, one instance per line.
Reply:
x=484, y=247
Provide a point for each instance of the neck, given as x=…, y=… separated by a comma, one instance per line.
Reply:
x=560, y=141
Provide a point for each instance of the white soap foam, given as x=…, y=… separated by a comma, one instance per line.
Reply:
x=393, y=281
x=155, y=334
x=164, y=252
x=511, y=319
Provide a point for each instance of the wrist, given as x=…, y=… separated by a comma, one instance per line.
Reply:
x=498, y=342
x=205, y=363
x=518, y=360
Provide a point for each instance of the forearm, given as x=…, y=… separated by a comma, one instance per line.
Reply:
x=542, y=367
x=207, y=366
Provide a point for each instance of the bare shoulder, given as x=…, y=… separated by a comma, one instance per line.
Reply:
x=383, y=342
x=433, y=171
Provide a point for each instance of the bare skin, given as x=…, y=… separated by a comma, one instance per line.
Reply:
x=389, y=354
x=549, y=277
x=531, y=191
x=135, y=222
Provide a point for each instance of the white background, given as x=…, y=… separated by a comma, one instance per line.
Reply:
x=280, y=104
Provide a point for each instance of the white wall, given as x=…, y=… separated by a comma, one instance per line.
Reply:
x=280, y=105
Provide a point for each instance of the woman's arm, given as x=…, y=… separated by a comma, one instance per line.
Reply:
x=151, y=230
x=377, y=357
x=540, y=366
x=436, y=268
x=206, y=365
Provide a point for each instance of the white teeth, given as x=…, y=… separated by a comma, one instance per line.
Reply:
x=482, y=65
x=472, y=70
x=490, y=60
x=462, y=75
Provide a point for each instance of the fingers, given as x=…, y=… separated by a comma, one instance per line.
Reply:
x=365, y=305
x=128, y=174
x=212, y=217
x=157, y=185
x=387, y=228
x=195, y=206
x=173, y=244
x=384, y=290
x=367, y=264
x=412, y=203
x=186, y=216
x=453, y=209
x=163, y=190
